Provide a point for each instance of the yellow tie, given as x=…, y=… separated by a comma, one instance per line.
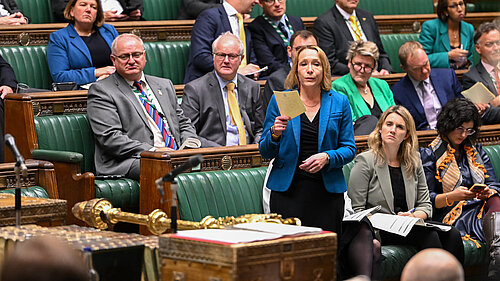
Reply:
x=242, y=38
x=355, y=28
x=234, y=110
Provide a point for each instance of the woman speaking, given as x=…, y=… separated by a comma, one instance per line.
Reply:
x=306, y=180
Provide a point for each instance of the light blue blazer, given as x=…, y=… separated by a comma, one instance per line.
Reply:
x=69, y=58
x=434, y=38
x=335, y=137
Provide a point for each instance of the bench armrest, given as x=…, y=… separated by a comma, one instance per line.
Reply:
x=57, y=156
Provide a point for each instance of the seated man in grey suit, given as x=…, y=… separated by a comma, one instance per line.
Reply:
x=487, y=41
x=130, y=112
x=276, y=81
x=225, y=107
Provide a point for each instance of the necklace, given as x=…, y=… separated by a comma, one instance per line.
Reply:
x=312, y=105
x=365, y=89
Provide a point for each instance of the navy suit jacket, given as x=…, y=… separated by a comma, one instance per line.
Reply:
x=445, y=84
x=208, y=26
x=334, y=38
x=69, y=57
x=335, y=137
x=268, y=45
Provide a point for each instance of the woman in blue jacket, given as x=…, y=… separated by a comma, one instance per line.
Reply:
x=447, y=40
x=81, y=51
x=309, y=150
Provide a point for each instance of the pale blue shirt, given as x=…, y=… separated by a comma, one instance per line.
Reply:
x=232, y=136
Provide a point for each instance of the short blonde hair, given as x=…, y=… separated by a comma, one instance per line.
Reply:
x=292, y=80
x=367, y=48
x=408, y=150
x=99, y=18
x=408, y=49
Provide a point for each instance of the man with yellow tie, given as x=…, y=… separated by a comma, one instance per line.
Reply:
x=342, y=24
x=212, y=23
x=224, y=106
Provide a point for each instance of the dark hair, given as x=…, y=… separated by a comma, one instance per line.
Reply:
x=454, y=114
x=302, y=33
x=442, y=9
x=484, y=28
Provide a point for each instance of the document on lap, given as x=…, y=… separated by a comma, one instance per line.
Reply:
x=289, y=103
x=360, y=215
x=478, y=93
x=401, y=225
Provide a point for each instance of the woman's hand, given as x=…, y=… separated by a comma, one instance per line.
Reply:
x=280, y=124
x=458, y=55
x=315, y=162
x=461, y=193
x=483, y=195
x=107, y=70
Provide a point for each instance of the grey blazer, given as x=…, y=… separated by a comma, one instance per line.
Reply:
x=478, y=73
x=202, y=102
x=370, y=185
x=120, y=125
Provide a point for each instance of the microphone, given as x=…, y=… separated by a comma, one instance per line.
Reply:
x=11, y=144
x=191, y=162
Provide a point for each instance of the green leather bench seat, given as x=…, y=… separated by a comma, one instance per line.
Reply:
x=32, y=191
x=29, y=64
x=161, y=9
x=397, y=7
x=392, y=43
x=484, y=6
x=301, y=8
x=493, y=152
x=69, y=138
x=239, y=192
x=165, y=59
x=220, y=193
x=39, y=11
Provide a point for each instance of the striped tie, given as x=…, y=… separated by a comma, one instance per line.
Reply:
x=355, y=28
x=160, y=123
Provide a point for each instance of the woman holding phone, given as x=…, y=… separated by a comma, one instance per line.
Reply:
x=453, y=163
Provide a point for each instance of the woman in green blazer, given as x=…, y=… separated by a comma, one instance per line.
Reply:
x=448, y=40
x=368, y=96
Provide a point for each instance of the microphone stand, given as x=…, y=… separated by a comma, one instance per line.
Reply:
x=173, y=209
x=18, y=169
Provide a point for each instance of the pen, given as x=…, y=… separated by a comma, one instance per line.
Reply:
x=412, y=210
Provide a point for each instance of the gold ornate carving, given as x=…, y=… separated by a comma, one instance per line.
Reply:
x=100, y=213
x=227, y=162
x=23, y=39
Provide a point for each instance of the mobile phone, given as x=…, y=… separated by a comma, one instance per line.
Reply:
x=129, y=9
x=478, y=187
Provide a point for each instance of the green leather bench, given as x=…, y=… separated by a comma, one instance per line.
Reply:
x=69, y=138
x=39, y=11
x=161, y=9
x=239, y=192
x=392, y=43
x=32, y=191
x=397, y=7
x=166, y=59
x=301, y=8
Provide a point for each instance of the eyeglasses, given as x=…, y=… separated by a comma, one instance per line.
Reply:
x=271, y=1
x=231, y=57
x=454, y=6
x=468, y=131
x=491, y=43
x=366, y=68
x=125, y=57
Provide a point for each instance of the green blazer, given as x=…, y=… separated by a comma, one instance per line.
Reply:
x=371, y=186
x=380, y=89
x=434, y=38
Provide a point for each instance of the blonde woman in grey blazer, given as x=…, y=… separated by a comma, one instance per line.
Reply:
x=390, y=174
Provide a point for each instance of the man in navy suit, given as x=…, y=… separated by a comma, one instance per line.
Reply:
x=208, y=26
x=423, y=91
x=271, y=33
x=336, y=30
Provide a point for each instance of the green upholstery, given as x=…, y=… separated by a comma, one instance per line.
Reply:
x=347, y=170
x=167, y=59
x=397, y=7
x=220, y=193
x=29, y=64
x=392, y=43
x=493, y=152
x=301, y=8
x=72, y=133
x=161, y=9
x=39, y=11
x=32, y=191
x=484, y=6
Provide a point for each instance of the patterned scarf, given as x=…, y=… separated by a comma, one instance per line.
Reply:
x=448, y=173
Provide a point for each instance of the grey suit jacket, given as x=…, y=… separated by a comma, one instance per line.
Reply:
x=120, y=125
x=202, y=102
x=370, y=185
x=478, y=73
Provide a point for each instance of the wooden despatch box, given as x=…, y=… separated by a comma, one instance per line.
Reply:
x=300, y=258
x=33, y=210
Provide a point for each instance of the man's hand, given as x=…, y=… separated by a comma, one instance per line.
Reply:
x=249, y=68
x=481, y=107
x=4, y=90
x=381, y=72
x=113, y=16
x=135, y=15
x=14, y=19
x=495, y=101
